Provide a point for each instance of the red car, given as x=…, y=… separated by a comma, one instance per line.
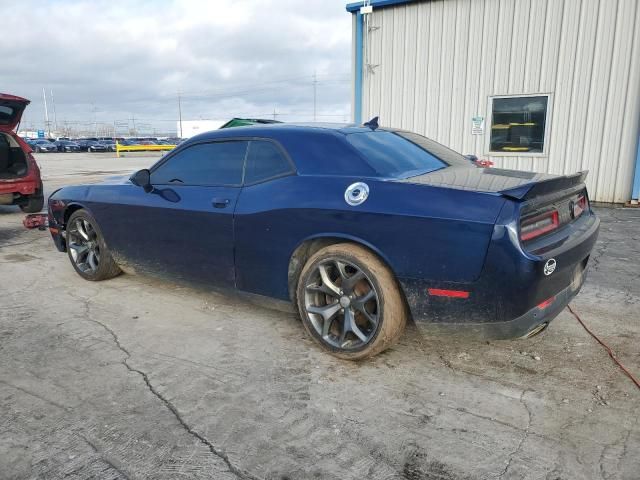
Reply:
x=20, y=182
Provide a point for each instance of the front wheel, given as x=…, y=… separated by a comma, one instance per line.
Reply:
x=87, y=250
x=350, y=302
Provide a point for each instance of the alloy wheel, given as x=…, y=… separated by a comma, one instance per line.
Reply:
x=342, y=304
x=82, y=241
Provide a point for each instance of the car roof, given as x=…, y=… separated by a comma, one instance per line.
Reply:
x=278, y=129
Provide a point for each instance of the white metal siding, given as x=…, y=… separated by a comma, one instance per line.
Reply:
x=432, y=66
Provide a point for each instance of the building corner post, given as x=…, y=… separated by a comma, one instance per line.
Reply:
x=357, y=107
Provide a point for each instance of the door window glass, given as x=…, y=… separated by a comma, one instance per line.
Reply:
x=215, y=163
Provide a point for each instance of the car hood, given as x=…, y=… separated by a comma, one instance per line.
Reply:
x=511, y=183
x=11, y=108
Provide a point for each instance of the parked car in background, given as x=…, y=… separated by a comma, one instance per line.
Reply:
x=109, y=144
x=67, y=146
x=20, y=181
x=41, y=145
x=360, y=227
x=91, y=146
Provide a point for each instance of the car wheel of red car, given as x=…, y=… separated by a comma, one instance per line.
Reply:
x=350, y=302
x=35, y=204
x=87, y=250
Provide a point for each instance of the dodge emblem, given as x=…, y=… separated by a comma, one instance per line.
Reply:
x=550, y=266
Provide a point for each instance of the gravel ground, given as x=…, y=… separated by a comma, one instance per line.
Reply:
x=141, y=378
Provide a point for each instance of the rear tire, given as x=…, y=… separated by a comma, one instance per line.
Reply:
x=35, y=204
x=87, y=249
x=350, y=302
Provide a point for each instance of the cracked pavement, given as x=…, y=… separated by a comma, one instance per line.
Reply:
x=144, y=378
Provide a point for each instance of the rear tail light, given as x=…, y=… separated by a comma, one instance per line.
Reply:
x=537, y=225
x=579, y=206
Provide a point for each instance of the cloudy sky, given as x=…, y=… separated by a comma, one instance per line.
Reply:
x=112, y=61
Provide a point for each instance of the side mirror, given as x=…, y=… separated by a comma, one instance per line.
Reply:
x=142, y=178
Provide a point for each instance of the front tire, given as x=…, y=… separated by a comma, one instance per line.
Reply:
x=87, y=249
x=350, y=302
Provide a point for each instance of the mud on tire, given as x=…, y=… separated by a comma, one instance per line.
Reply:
x=87, y=249
x=350, y=302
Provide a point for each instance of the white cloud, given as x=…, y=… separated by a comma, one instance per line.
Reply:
x=228, y=57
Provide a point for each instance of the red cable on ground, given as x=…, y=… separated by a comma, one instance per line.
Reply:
x=607, y=348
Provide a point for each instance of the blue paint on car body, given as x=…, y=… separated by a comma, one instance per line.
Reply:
x=452, y=227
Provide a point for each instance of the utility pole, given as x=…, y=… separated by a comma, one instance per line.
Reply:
x=315, y=82
x=46, y=113
x=274, y=113
x=180, y=112
x=55, y=117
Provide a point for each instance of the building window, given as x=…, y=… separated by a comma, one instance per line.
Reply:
x=518, y=124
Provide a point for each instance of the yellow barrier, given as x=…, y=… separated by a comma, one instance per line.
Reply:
x=142, y=148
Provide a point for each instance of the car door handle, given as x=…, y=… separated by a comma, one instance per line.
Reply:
x=220, y=202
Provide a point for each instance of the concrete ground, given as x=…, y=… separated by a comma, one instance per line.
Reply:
x=139, y=378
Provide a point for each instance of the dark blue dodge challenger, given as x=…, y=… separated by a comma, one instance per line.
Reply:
x=360, y=227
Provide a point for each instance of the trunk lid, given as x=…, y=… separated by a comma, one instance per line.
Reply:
x=11, y=108
x=514, y=184
x=548, y=203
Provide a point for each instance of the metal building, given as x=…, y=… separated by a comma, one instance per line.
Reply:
x=544, y=85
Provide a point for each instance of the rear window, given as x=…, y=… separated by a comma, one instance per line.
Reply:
x=395, y=154
x=6, y=113
x=448, y=156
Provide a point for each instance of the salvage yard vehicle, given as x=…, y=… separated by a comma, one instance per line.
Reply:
x=360, y=227
x=42, y=145
x=67, y=146
x=88, y=145
x=20, y=182
x=110, y=145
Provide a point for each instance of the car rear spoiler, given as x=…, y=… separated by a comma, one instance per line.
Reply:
x=544, y=187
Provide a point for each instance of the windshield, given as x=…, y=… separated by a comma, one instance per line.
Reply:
x=403, y=154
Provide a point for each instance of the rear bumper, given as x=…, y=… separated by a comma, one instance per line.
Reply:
x=21, y=186
x=513, y=295
x=533, y=321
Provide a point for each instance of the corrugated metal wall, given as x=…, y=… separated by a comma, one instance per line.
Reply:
x=430, y=66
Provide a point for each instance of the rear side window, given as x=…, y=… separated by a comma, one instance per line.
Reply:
x=391, y=155
x=216, y=163
x=265, y=160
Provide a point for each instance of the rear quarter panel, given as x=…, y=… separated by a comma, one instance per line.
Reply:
x=421, y=232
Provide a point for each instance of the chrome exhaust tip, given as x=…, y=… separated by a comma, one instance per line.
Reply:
x=536, y=330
